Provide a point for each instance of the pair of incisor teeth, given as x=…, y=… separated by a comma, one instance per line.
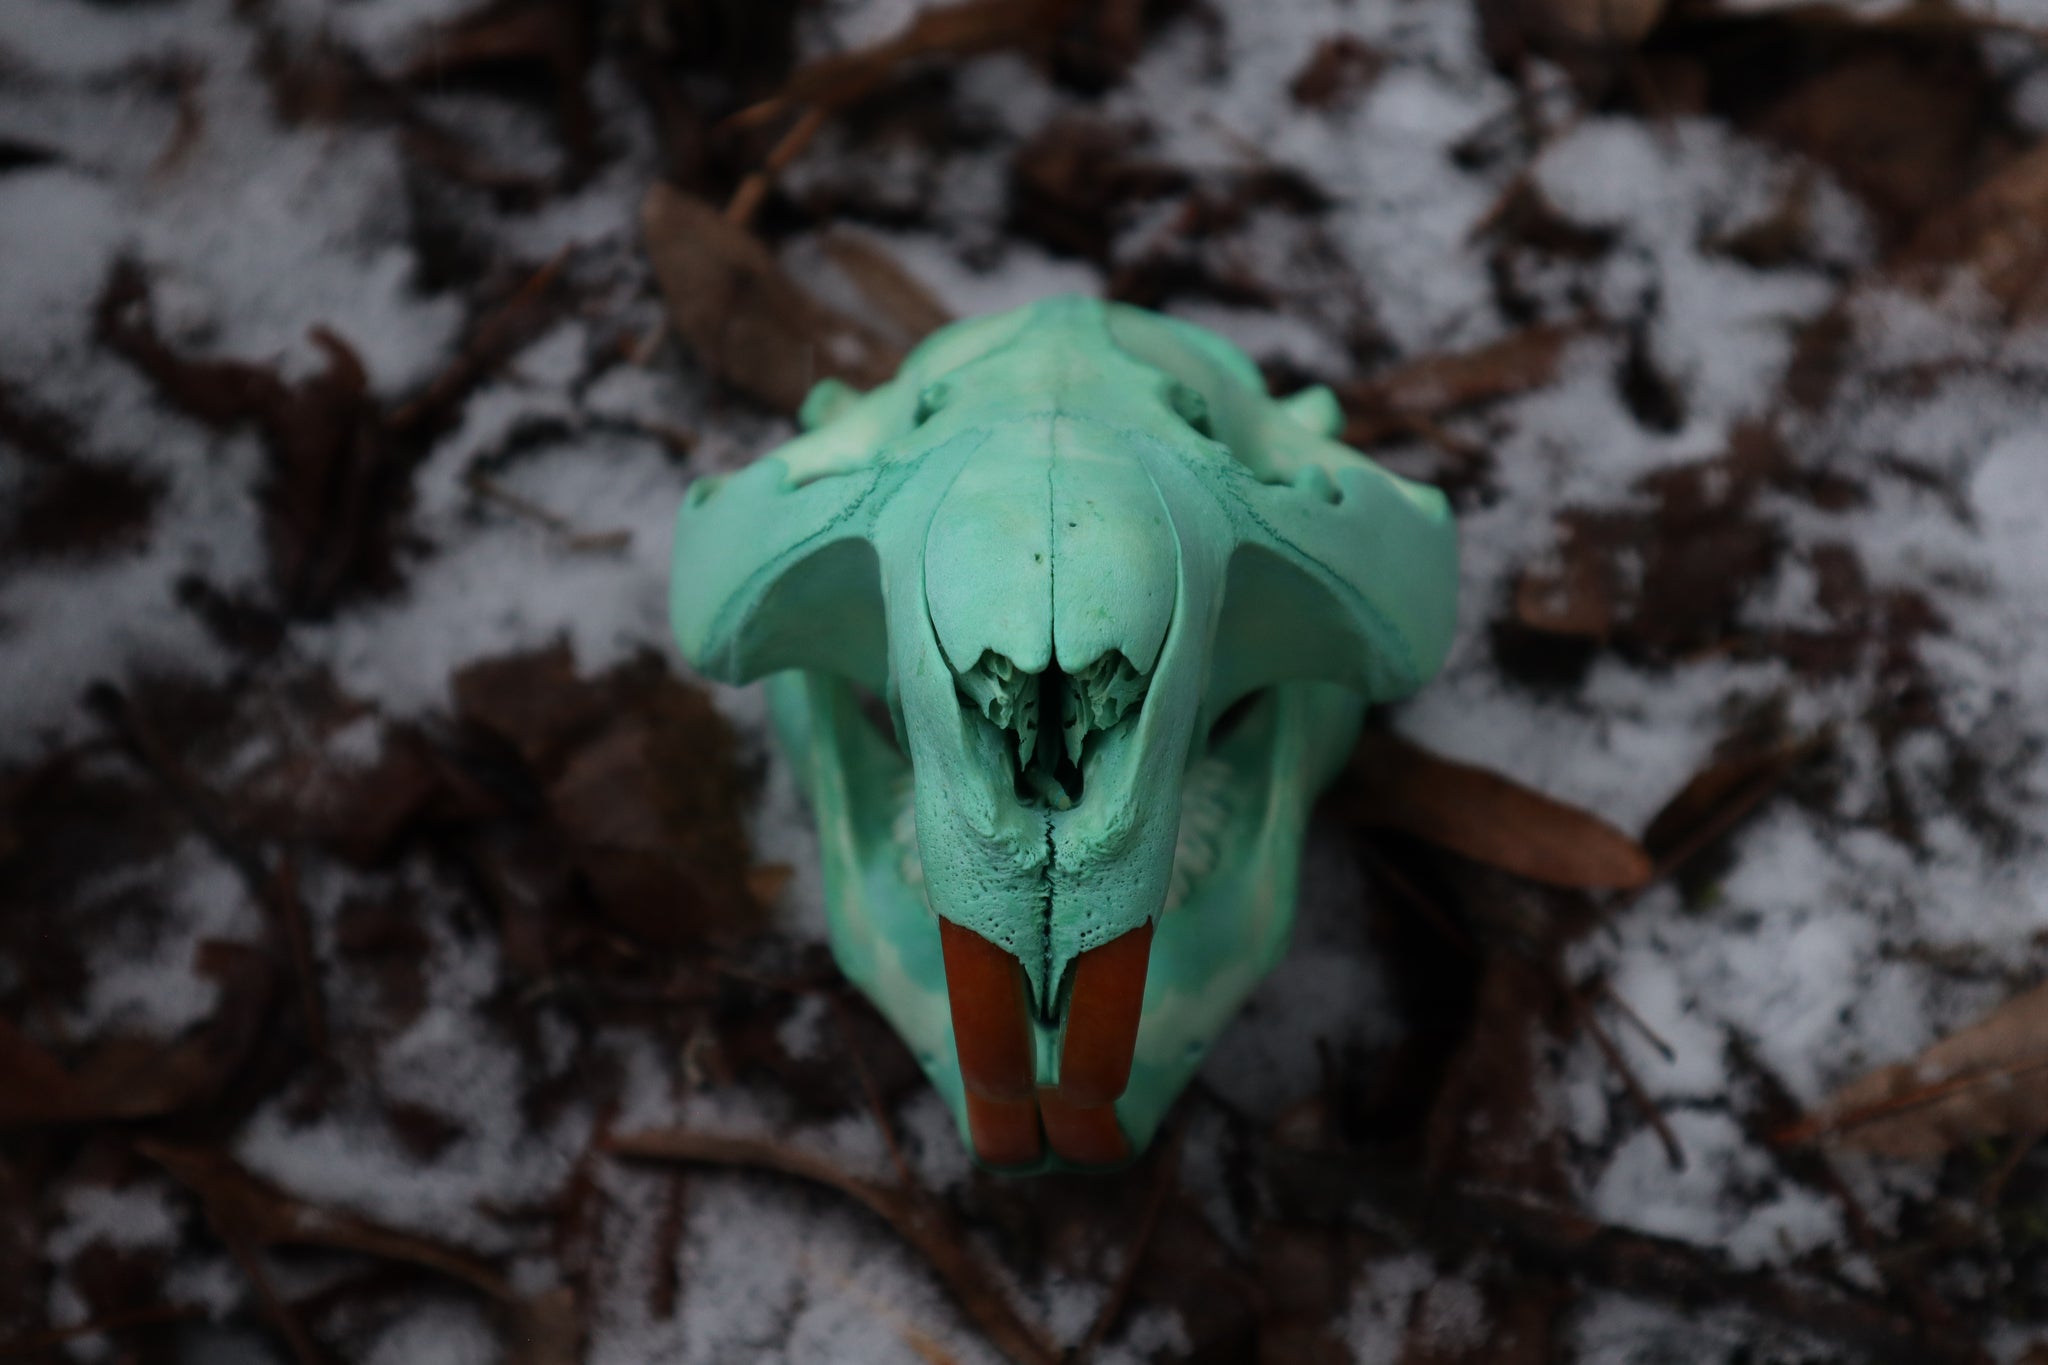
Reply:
x=1012, y=1117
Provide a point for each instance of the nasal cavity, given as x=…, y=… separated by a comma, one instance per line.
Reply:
x=1052, y=719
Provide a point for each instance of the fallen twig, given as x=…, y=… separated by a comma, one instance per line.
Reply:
x=484, y=486
x=746, y=200
x=1555, y=1238
x=1674, y=1151
x=1165, y=1173
x=916, y=1218
x=154, y=1315
x=275, y=891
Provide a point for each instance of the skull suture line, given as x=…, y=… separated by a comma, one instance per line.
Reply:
x=1065, y=626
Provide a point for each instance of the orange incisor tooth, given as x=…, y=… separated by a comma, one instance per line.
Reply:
x=1084, y=1135
x=1102, y=1021
x=991, y=1028
x=1004, y=1134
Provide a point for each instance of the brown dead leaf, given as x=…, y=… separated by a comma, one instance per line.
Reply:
x=1988, y=1080
x=1392, y=404
x=533, y=699
x=333, y=771
x=546, y=1329
x=335, y=487
x=129, y=1078
x=1306, y=1279
x=1575, y=599
x=650, y=808
x=1664, y=575
x=1588, y=37
x=1998, y=233
x=1075, y=179
x=1489, y=1124
x=1487, y=818
x=65, y=501
x=1343, y=67
x=1900, y=129
x=915, y=1217
x=746, y=320
x=897, y=294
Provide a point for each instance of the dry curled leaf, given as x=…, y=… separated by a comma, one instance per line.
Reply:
x=890, y=288
x=745, y=319
x=1572, y=598
x=1895, y=127
x=651, y=806
x=1435, y=386
x=1998, y=233
x=1489, y=819
x=1342, y=67
x=1489, y=1123
x=129, y=1078
x=1665, y=574
x=336, y=487
x=534, y=700
x=1988, y=1080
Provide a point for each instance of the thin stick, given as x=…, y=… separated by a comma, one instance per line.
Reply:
x=1163, y=1179
x=155, y=1315
x=874, y=1097
x=746, y=201
x=1611, y=1050
x=1439, y=919
x=918, y=1218
x=1605, y=990
x=484, y=486
x=303, y=1346
x=275, y=892
x=1994, y=1188
x=298, y=937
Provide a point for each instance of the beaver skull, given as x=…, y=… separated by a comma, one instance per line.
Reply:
x=1065, y=626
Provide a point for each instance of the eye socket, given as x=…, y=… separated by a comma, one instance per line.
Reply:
x=879, y=716
x=1193, y=409
x=1235, y=716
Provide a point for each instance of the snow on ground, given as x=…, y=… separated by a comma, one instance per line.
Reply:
x=262, y=231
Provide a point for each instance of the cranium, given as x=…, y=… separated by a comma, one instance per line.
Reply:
x=1064, y=626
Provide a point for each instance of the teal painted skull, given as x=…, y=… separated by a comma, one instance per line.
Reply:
x=1064, y=628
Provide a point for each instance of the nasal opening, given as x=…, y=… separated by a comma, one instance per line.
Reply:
x=1052, y=719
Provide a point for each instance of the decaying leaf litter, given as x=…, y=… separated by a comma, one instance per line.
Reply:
x=404, y=960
